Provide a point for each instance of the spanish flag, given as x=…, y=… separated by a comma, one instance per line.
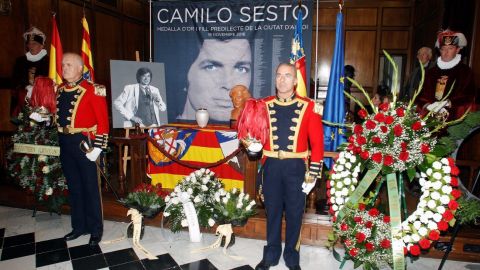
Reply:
x=56, y=55
x=297, y=57
x=86, y=52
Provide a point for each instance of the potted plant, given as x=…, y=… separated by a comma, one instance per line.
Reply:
x=147, y=199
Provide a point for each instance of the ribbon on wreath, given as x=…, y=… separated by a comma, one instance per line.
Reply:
x=395, y=216
x=224, y=230
x=137, y=229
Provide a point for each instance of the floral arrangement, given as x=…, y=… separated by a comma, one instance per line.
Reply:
x=393, y=140
x=201, y=188
x=234, y=207
x=40, y=175
x=147, y=199
x=366, y=236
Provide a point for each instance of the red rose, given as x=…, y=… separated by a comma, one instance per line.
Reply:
x=405, y=251
x=364, y=155
x=385, y=243
x=387, y=160
x=453, y=205
x=442, y=225
x=328, y=192
x=397, y=130
x=334, y=218
x=455, y=170
x=383, y=107
x=362, y=113
x=386, y=219
x=425, y=148
x=343, y=227
x=456, y=193
x=379, y=117
x=357, y=129
x=357, y=149
x=376, y=139
x=373, y=212
x=454, y=182
x=434, y=235
x=361, y=140
x=360, y=237
x=369, y=124
x=447, y=215
x=451, y=161
x=370, y=247
x=358, y=220
x=403, y=156
x=369, y=224
x=400, y=112
x=417, y=126
x=353, y=252
x=377, y=157
x=384, y=129
x=361, y=206
x=415, y=250
x=328, y=184
x=404, y=145
x=388, y=120
x=424, y=243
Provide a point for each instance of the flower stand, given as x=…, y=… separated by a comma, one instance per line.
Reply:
x=137, y=229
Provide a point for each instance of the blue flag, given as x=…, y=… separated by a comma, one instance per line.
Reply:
x=334, y=108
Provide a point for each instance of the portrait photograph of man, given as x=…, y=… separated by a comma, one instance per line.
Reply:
x=138, y=94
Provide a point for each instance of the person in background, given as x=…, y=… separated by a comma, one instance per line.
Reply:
x=448, y=72
x=424, y=56
x=82, y=121
x=29, y=66
x=295, y=124
x=140, y=103
x=349, y=72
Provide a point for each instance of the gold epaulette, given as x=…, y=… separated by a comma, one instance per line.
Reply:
x=318, y=108
x=100, y=90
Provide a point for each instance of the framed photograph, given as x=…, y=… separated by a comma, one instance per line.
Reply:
x=138, y=94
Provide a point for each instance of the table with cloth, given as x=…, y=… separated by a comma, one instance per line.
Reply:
x=193, y=147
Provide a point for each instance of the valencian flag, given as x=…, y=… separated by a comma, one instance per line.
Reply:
x=334, y=108
x=297, y=57
x=56, y=55
x=86, y=52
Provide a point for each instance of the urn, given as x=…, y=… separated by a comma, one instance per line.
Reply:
x=202, y=117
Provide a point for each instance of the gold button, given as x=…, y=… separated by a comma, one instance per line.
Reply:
x=274, y=128
x=276, y=146
x=274, y=120
x=295, y=120
x=292, y=128
x=291, y=137
x=275, y=137
x=290, y=147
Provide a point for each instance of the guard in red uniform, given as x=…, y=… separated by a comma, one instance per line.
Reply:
x=290, y=169
x=82, y=117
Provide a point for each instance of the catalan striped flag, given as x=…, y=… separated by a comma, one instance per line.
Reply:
x=86, y=52
x=334, y=108
x=56, y=55
x=297, y=57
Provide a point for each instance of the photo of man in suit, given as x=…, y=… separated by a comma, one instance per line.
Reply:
x=140, y=103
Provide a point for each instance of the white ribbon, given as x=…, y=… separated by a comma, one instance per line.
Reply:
x=137, y=229
x=192, y=219
x=226, y=231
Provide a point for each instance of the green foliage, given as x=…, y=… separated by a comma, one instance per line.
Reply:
x=147, y=199
x=468, y=211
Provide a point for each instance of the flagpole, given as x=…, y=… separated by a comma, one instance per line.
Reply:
x=150, y=30
x=316, y=56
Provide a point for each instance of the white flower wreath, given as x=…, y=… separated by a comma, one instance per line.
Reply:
x=434, y=212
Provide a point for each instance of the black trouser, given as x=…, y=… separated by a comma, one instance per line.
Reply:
x=84, y=194
x=282, y=189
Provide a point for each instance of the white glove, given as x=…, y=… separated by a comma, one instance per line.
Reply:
x=437, y=106
x=255, y=147
x=93, y=155
x=307, y=187
x=37, y=117
x=29, y=89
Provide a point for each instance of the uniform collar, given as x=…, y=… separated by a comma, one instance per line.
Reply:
x=73, y=84
x=285, y=100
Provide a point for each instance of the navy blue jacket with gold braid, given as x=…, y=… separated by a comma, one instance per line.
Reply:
x=295, y=126
x=83, y=105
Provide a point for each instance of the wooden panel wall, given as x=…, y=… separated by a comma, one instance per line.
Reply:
x=370, y=27
x=115, y=31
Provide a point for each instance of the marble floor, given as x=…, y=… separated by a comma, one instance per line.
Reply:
x=28, y=242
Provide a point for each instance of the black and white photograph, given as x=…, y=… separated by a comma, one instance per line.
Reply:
x=138, y=94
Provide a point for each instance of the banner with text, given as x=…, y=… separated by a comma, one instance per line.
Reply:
x=210, y=46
